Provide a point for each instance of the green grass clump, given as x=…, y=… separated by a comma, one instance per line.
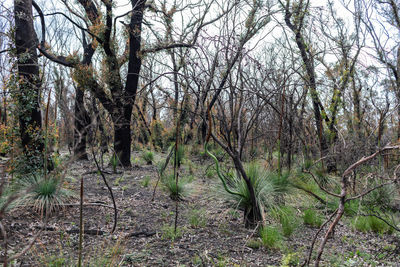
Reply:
x=312, y=218
x=371, y=224
x=263, y=188
x=271, y=237
x=287, y=218
x=168, y=232
x=176, y=190
x=45, y=194
x=148, y=157
x=254, y=243
x=146, y=181
x=211, y=173
x=197, y=218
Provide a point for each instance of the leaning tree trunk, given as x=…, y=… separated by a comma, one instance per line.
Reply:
x=30, y=118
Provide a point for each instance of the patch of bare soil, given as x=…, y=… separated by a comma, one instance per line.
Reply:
x=144, y=232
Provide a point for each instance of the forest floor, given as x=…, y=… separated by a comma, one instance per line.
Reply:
x=210, y=231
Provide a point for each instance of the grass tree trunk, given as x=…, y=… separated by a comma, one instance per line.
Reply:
x=253, y=216
x=30, y=118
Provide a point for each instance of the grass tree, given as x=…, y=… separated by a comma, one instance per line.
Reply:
x=237, y=124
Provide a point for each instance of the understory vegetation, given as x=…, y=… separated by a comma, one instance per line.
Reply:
x=199, y=133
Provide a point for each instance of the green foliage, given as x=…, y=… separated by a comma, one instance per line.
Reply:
x=280, y=182
x=351, y=207
x=156, y=134
x=180, y=154
x=370, y=224
x=45, y=194
x=290, y=259
x=254, y=243
x=312, y=218
x=114, y=162
x=211, y=172
x=271, y=237
x=146, y=181
x=268, y=187
x=168, y=232
x=321, y=176
x=197, y=218
x=191, y=166
x=287, y=218
x=56, y=261
x=176, y=190
x=148, y=157
x=219, y=153
x=382, y=197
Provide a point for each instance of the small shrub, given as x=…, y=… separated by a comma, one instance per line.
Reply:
x=210, y=173
x=191, y=166
x=371, y=224
x=114, y=162
x=351, y=207
x=148, y=157
x=168, y=232
x=311, y=218
x=157, y=130
x=263, y=188
x=382, y=197
x=146, y=181
x=45, y=194
x=197, y=218
x=287, y=219
x=271, y=237
x=180, y=155
x=290, y=259
x=219, y=153
x=176, y=191
x=254, y=243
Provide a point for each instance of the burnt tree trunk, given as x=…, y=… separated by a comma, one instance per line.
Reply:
x=81, y=123
x=82, y=118
x=30, y=118
x=123, y=136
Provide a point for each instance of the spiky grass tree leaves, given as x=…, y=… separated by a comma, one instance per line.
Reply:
x=268, y=187
x=46, y=195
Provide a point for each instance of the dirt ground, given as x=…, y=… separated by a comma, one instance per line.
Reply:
x=143, y=233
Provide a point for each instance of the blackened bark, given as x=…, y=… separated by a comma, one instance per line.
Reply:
x=81, y=124
x=82, y=118
x=122, y=141
x=30, y=118
x=122, y=133
x=308, y=61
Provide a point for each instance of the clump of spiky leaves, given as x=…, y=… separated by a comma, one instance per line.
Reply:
x=370, y=224
x=197, y=218
x=176, y=190
x=271, y=237
x=180, y=155
x=382, y=197
x=267, y=187
x=287, y=218
x=45, y=194
x=312, y=218
x=148, y=156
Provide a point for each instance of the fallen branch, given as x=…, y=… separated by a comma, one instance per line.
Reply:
x=142, y=233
